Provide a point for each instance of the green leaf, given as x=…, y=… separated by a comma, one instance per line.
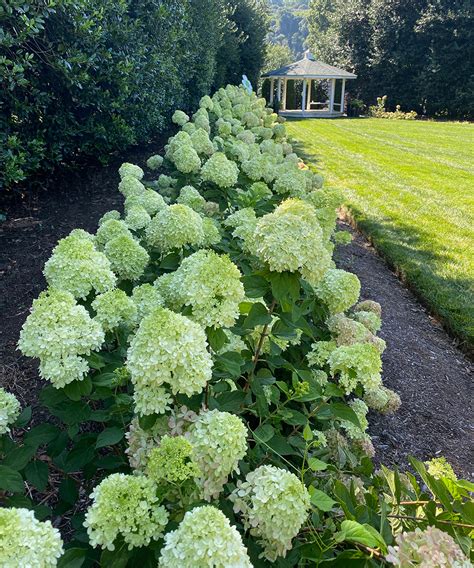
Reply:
x=230, y=401
x=24, y=418
x=285, y=286
x=344, y=412
x=42, y=434
x=78, y=389
x=11, y=480
x=19, y=457
x=293, y=417
x=81, y=454
x=255, y=286
x=171, y=261
x=216, y=338
x=96, y=361
x=317, y=465
x=68, y=491
x=364, y=534
x=117, y=558
x=308, y=433
x=36, y=473
x=228, y=364
x=258, y=315
x=264, y=433
x=280, y=446
x=109, y=437
x=72, y=558
x=321, y=500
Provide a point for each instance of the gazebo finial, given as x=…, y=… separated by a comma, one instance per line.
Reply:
x=308, y=55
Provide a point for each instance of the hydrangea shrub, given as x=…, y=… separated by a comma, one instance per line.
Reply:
x=210, y=373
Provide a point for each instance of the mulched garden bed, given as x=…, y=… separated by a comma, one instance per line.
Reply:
x=432, y=376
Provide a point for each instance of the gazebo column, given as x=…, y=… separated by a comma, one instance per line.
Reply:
x=283, y=103
x=308, y=98
x=272, y=88
x=303, y=98
x=343, y=89
x=331, y=95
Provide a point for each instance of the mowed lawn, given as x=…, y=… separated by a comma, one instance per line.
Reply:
x=409, y=185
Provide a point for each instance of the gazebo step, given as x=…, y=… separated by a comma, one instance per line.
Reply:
x=310, y=114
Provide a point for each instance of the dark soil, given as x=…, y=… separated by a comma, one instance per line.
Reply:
x=432, y=376
x=421, y=363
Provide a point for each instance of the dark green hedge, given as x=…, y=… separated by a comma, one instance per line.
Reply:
x=88, y=77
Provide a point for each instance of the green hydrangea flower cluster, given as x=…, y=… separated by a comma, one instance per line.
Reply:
x=114, y=308
x=205, y=539
x=274, y=505
x=290, y=239
x=430, y=547
x=382, y=399
x=126, y=506
x=141, y=442
x=167, y=348
x=25, y=541
x=339, y=290
x=172, y=461
x=109, y=230
x=174, y=227
x=77, y=267
x=356, y=364
x=9, y=410
x=58, y=332
x=127, y=257
x=220, y=171
x=210, y=285
x=130, y=186
x=190, y=196
x=137, y=217
x=219, y=441
x=440, y=467
x=154, y=162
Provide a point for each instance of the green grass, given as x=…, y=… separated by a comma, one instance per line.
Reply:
x=409, y=185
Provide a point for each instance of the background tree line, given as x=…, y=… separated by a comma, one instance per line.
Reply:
x=417, y=52
x=89, y=77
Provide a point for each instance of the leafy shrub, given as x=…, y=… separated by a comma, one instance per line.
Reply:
x=379, y=111
x=90, y=77
x=228, y=436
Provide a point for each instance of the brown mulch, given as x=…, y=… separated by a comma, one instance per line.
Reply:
x=422, y=363
x=433, y=377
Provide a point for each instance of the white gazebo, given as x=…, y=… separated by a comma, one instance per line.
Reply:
x=309, y=71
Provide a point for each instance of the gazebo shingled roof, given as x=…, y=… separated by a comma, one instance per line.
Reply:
x=308, y=70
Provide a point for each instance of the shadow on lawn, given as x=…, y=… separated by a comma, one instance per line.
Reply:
x=403, y=247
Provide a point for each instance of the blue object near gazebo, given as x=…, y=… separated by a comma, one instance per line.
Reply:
x=308, y=70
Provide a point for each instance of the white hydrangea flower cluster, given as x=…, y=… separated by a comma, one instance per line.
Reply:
x=141, y=442
x=382, y=399
x=137, y=217
x=440, y=467
x=361, y=409
x=205, y=539
x=348, y=332
x=146, y=298
x=58, y=332
x=290, y=239
x=27, y=542
x=111, y=229
x=77, y=267
x=167, y=348
x=274, y=505
x=9, y=410
x=219, y=441
x=125, y=505
x=190, y=196
x=174, y=227
x=210, y=285
x=127, y=169
x=114, y=308
x=429, y=548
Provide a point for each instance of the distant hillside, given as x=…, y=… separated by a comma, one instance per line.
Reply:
x=289, y=24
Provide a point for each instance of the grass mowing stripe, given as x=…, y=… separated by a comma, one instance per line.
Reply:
x=409, y=185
